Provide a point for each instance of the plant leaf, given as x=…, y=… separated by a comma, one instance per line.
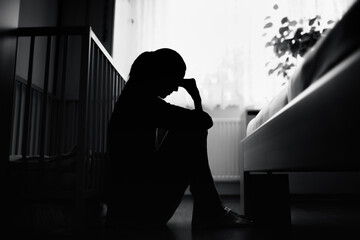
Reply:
x=282, y=30
x=292, y=23
x=325, y=30
x=268, y=44
x=298, y=33
x=312, y=21
x=284, y=20
x=268, y=25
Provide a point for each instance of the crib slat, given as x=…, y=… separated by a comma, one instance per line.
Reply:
x=119, y=86
x=104, y=106
x=92, y=72
x=17, y=144
x=53, y=111
x=85, y=113
x=93, y=92
x=28, y=102
x=108, y=104
x=111, y=91
x=45, y=104
x=99, y=105
x=35, y=121
x=94, y=119
x=96, y=88
x=60, y=124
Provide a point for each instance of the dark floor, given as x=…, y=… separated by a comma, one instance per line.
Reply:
x=312, y=218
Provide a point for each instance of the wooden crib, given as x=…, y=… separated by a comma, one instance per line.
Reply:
x=65, y=88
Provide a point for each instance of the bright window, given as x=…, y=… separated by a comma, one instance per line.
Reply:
x=220, y=40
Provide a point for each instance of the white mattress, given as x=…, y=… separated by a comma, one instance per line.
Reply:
x=279, y=101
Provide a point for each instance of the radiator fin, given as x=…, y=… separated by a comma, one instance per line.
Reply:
x=223, y=149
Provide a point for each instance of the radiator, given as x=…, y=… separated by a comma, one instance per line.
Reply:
x=223, y=149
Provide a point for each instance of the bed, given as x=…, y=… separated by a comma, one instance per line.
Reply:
x=312, y=125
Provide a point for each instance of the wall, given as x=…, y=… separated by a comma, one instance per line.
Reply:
x=9, y=17
x=38, y=13
x=99, y=14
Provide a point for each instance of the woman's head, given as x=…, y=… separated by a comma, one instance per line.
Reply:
x=161, y=70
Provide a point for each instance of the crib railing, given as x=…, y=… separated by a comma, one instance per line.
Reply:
x=65, y=88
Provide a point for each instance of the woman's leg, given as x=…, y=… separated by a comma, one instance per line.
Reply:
x=186, y=160
x=157, y=185
x=181, y=161
x=184, y=156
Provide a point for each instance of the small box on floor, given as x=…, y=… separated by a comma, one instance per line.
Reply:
x=267, y=199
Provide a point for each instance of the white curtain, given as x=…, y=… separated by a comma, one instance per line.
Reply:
x=220, y=40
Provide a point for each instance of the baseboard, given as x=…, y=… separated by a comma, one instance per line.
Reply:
x=325, y=197
x=225, y=188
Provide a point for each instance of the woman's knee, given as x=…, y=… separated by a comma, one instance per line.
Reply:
x=188, y=137
x=183, y=146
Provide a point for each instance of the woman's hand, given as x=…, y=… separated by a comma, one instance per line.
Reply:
x=190, y=86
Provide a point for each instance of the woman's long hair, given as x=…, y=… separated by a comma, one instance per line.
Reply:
x=152, y=67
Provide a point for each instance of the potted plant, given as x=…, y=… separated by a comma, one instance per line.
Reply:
x=290, y=40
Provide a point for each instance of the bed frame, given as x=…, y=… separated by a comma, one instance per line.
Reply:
x=318, y=131
x=65, y=88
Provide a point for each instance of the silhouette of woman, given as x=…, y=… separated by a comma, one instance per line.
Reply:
x=148, y=181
